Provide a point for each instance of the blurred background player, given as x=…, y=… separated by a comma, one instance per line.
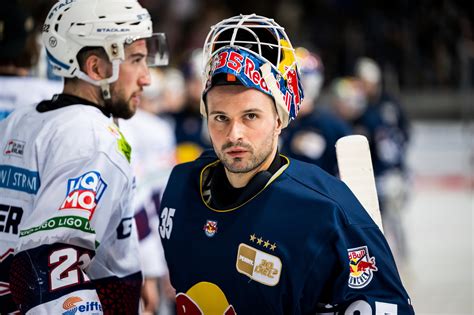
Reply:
x=19, y=53
x=348, y=100
x=387, y=129
x=69, y=241
x=190, y=130
x=170, y=96
x=312, y=136
x=153, y=145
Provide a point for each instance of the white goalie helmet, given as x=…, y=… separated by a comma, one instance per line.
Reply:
x=257, y=52
x=72, y=25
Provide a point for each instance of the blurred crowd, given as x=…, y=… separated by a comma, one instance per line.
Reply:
x=418, y=44
x=358, y=52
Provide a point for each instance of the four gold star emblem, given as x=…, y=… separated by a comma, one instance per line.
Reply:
x=266, y=243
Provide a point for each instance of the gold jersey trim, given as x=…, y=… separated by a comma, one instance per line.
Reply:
x=203, y=176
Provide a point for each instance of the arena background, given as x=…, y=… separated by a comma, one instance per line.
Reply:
x=426, y=50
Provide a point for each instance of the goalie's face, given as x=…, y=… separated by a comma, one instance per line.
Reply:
x=244, y=128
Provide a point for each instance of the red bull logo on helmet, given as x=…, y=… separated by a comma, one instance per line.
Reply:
x=361, y=267
x=246, y=67
x=293, y=93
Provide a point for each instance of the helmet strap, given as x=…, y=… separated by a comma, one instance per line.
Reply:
x=104, y=83
x=105, y=89
x=277, y=95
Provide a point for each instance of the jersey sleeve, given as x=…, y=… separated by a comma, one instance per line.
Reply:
x=79, y=249
x=359, y=275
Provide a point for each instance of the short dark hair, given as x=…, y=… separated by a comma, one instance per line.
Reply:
x=86, y=52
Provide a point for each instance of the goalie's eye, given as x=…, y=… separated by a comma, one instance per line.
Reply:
x=251, y=116
x=220, y=118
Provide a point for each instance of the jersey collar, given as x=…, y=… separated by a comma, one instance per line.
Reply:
x=63, y=100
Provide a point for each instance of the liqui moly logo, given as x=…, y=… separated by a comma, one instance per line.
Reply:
x=84, y=192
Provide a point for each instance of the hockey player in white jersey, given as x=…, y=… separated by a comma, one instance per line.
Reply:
x=68, y=242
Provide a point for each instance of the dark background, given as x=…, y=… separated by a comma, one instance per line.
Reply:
x=425, y=48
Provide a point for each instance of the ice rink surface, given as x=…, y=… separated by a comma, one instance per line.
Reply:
x=439, y=273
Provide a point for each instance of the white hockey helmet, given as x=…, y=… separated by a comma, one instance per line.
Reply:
x=256, y=51
x=368, y=70
x=111, y=24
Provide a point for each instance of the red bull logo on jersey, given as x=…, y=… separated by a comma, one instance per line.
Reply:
x=75, y=305
x=203, y=298
x=361, y=267
x=84, y=192
x=210, y=228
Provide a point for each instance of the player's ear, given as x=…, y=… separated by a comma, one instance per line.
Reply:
x=279, y=125
x=96, y=67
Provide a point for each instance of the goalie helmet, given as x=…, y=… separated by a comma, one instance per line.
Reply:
x=253, y=51
x=72, y=25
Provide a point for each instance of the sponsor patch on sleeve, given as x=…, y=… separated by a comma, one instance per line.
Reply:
x=361, y=267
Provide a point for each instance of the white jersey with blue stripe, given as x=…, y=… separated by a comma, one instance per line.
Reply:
x=65, y=178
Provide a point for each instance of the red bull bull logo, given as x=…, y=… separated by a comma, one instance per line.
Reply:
x=361, y=267
x=203, y=298
x=210, y=228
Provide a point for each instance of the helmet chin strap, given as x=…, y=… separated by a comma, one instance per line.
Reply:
x=105, y=83
x=105, y=88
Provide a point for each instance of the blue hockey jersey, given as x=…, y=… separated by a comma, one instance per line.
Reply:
x=386, y=127
x=301, y=245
